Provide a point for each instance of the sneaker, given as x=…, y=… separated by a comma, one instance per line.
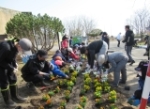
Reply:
x=132, y=62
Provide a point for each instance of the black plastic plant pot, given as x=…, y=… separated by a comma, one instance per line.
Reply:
x=97, y=105
x=81, y=94
x=67, y=99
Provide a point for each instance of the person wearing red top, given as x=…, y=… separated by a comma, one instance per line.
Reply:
x=64, y=43
x=72, y=54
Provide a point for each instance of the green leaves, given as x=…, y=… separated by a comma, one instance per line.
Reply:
x=39, y=29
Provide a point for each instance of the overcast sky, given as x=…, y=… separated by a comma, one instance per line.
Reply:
x=109, y=15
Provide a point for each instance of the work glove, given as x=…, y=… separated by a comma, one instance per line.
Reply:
x=15, y=70
x=87, y=66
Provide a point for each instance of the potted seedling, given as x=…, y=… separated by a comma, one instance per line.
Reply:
x=48, y=103
x=51, y=93
x=57, y=90
x=88, y=81
x=86, y=76
x=97, y=94
x=83, y=101
x=73, y=79
x=97, y=84
x=65, y=70
x=98, y=89
x=70, y=84
x=67, y=95
x=82, y=92
x=61, y=83
x=107, y=89
x=86, y=88
x=112, y=96
x=69, y=88
x=45, y=97
x=41, y=107
x=98, y=102
x=62, y=104
x=74, y=73
x=113, y=106
x=95, y=81
x=78, y=107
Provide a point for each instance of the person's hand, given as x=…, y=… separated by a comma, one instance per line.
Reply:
x=67, y=77
x=15, y=70
x=46, y=74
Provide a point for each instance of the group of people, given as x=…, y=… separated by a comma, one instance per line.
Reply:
x=37, y=69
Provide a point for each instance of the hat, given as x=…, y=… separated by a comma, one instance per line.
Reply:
x=70, y=49
x=141, y=65
x=42, y=53
x=59, y=62
x=25, y=44
x=104, y=33
x=101, y=59
x=58, y=58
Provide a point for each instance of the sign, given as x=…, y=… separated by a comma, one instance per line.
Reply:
x=76, y=40
x=59, y=37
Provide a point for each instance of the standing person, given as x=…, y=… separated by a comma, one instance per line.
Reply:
x=98, y=48
x=118, y=39
x=106, y=38
x=8, y=68
x=118, y=65
x=129, y=42
x=64, y=43
x=101, y=34
x=70, y=42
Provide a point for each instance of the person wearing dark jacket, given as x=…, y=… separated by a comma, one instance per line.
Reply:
x=8, y=67
x=36, y=68
x=98, y=48
x=106, y=38
x=129, y=42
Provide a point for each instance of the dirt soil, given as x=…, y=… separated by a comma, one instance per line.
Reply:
x=74, y=100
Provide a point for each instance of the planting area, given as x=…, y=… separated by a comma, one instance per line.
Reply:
x=80, y=92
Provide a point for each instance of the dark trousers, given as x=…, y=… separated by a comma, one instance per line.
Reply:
x=118, y=43
x=33, y=78
x=7, y=78
x=128, y=50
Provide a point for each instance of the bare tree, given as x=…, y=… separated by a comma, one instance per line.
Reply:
x=80, y=25
x=140, y=20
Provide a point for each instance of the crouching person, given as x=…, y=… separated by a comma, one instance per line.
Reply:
x=118, y=63
x=36, y=69
x=56, y=69
x=8, y=68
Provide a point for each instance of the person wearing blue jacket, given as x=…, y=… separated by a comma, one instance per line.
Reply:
x=56, y=70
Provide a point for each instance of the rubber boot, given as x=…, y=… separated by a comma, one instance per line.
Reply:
x=15, y=96
x=7, y=99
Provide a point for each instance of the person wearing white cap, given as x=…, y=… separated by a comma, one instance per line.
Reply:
x=98, y=48
x=118, y=63
x=8, y=67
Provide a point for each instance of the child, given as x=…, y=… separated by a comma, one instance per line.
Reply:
x=142, y=69
x=56, y=70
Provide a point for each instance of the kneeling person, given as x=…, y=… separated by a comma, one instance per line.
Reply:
x=36, y=68
x=118, y=63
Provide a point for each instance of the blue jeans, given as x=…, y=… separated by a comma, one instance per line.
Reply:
x=141, y=83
